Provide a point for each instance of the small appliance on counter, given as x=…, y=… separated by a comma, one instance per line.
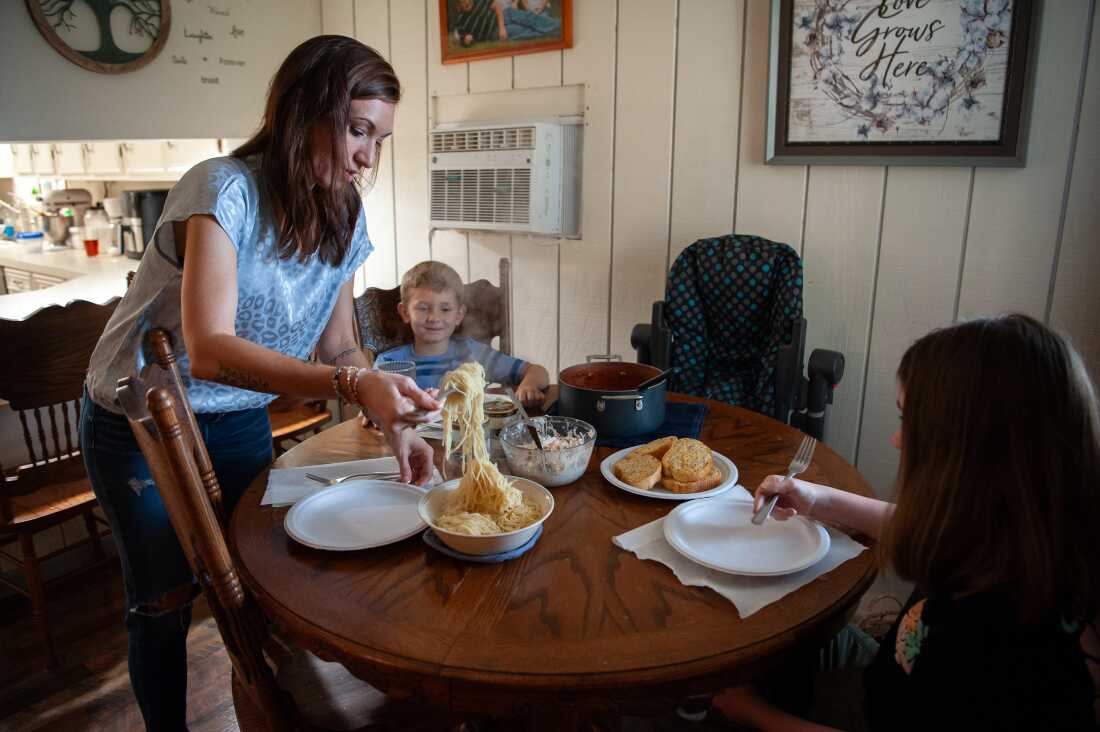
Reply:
x=78, y=199
x=141, y=212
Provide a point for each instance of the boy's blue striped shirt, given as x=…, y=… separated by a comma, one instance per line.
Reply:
x=430, y=370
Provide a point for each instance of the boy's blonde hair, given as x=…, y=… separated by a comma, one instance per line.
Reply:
x=435, y=276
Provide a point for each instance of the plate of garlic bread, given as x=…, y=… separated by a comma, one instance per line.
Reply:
x=671, y=468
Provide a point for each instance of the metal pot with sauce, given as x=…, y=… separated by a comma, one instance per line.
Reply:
x=606, y=395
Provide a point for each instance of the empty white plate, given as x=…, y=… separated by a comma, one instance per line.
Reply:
x=725, y=467
x=357, y=514
x=719, y=534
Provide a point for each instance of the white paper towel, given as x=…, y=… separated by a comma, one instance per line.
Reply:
x=748, y=594
x=286, y=486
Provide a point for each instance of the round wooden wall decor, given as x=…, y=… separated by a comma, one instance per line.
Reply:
x=105, y=36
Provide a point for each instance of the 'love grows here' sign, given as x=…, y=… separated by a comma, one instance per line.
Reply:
x=898, y=70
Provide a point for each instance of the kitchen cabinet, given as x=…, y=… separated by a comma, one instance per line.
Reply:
x=22, y=160
x=143, y=157
x=181, y=155
x=229, y=144
x=68, y=158
x=103, y=158
x=22, y=280
x=42, y=156
x=17, y=280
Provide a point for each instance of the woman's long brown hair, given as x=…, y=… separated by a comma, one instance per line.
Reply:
x=315, y=85
x=999, y=482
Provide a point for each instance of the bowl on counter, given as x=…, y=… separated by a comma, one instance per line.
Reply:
x=432, y=503
x=568, y=444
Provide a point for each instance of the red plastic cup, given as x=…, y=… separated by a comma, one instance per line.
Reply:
x=91, y=247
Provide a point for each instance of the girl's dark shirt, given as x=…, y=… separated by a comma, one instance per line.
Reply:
x=966, y=664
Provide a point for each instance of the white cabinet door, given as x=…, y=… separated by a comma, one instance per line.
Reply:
x=181, y=155
x=143, y=157
x=103, y=158
x=22, y=162
x=69, y=158
x=229, y=144
x=40, y=281
x=43, y=159
x=17, y=280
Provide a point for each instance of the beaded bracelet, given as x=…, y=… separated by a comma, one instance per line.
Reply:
x=339, y=385
x=355, y=384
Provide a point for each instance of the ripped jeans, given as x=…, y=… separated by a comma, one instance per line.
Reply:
x=158, y=582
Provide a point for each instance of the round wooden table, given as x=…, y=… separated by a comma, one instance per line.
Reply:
x=575, y=624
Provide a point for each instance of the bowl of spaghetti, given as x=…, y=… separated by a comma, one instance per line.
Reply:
x=507, y=521
x=484, y=511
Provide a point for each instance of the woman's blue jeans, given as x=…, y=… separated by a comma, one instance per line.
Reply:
x=158, y=581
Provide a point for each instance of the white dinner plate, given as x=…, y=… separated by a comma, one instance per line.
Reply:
x=725, y=467
x=356, y=514
x=719, y=534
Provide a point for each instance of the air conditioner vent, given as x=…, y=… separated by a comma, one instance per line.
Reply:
x=483, y=196
x=505, y=138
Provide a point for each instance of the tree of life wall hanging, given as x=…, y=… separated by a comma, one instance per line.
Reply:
x=105, y=36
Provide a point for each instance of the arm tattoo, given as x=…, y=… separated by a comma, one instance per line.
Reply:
x=345, y=352
x=241, y=379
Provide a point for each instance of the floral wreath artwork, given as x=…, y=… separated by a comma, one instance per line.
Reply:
x=899, y=77
x=105, y=36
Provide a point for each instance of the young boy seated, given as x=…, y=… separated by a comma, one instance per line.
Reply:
x=431, y=304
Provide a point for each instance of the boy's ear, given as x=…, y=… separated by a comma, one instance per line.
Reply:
x=403, y=312
x=461, y=315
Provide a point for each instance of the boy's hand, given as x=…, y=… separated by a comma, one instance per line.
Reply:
x=530, y=395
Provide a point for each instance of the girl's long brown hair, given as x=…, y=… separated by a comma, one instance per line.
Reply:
x=315, y=86
x=999, y=482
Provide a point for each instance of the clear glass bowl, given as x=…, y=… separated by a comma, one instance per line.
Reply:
x=568, y=444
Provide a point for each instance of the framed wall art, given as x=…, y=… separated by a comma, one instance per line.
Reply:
x=472, y=30
x=105, y=36
x=899, y=82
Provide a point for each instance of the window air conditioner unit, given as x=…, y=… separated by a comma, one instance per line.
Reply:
x=522, y=177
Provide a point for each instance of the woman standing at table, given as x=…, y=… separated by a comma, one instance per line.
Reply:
x=250, y=269
x=998, y=504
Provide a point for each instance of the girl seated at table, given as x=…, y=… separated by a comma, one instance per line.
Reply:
x=998, y=499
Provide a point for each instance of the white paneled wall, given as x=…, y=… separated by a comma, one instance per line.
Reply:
x=675, y=95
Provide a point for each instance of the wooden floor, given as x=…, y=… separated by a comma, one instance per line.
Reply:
x=91, y=690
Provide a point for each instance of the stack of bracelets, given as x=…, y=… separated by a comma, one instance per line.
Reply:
x=345, y=382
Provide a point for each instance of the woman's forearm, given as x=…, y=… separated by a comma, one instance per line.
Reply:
x=228, y=359
x=868, y=516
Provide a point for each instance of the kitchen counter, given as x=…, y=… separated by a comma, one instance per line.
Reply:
x=95, y=279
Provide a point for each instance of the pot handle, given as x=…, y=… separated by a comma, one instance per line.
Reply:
x=603, y=357
x=601, y=402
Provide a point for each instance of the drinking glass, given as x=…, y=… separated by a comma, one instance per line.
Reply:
x=405, y=368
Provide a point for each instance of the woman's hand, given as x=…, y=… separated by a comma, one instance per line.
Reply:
x=413, y=454
x=393, y=401
x=795, y=496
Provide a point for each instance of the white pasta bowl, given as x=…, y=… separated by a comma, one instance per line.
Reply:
x=432, y=504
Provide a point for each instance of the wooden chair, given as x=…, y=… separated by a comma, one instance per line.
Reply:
x=42, y=378
x=488, y=314
x=274, y=687
x=292, y=419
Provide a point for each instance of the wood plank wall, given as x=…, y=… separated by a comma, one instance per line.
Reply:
x=675, y=94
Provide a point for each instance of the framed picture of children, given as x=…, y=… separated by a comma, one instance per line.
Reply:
x=471, y=30
x=896, y=82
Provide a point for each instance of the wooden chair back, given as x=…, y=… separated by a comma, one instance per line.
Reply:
x=488, y=314
x=161, y=422
x=163, y=371
x=42, y=378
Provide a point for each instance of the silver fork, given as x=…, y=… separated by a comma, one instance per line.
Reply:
x=342, y=478
x=799, y=463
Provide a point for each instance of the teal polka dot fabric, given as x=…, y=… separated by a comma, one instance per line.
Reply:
x=731, y=305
